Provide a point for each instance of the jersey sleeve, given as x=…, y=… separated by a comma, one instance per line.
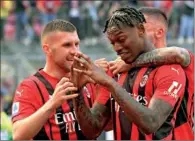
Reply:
x=169, y=83
x=103, y=95
x=24, y=103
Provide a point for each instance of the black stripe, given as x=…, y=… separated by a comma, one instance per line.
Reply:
x=113, y=111
x=126, y=125
x=141, y=92
x=182, y=115
x=80, y=135
x=42, y=135
x=167, y=127
x=59, y=111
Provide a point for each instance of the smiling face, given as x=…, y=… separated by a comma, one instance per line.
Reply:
x=128, y=42
x=61, y=48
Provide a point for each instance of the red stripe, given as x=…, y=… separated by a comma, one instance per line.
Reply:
x=184, y=132
x=118, y=127
x=134, y=130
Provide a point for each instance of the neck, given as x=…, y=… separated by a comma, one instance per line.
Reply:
x=161, y=43
x=148, y=46
x=55, y=71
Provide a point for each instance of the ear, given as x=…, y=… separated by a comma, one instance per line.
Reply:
x=141, y=30
x=160, y=33
x=46, y=49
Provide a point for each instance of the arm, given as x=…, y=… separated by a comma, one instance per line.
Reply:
x=91, y=121
x=27, y=114
x=161, y=56
x=157, y=57
x=150, y=118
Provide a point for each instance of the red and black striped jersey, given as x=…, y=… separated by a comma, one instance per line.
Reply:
x=166, y=82
x=185, y=115
x=33, y=92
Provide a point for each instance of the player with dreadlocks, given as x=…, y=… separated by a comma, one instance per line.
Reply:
x=146, y=99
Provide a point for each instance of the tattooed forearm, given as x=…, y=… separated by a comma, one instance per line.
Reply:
x=169, y=55
x=91, y=120
x=146, y=119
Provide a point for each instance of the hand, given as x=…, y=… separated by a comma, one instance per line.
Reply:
x=64, y=90
x=90, y=69
x=77, y=78
x=102, y=63
x=119, y=66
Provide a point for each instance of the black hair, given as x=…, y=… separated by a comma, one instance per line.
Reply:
x=156, y=13
x=127, y=16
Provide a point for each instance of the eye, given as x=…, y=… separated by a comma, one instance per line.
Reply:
x=121, y=39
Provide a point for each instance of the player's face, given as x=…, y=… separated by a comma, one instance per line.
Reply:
x=63, y=48
x=127, y=42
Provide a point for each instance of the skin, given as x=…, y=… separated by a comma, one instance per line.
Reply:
x=149, y=119
x=59, y=48
x=156, y=31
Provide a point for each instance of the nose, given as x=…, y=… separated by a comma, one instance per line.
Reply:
x=74, y=50
x=117, y=47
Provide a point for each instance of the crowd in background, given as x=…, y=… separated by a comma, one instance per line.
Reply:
x=22, y=21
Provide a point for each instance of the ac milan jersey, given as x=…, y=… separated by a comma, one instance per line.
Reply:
x=33, y=92
x=185, y=116
x=166, y=83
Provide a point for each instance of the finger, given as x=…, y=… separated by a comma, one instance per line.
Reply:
x=63, y=80
x=66, y=97
x=82, y=71
x=111, y=63
x=112, y=68
x=85, y=64
x=65, y=85
x=85, y=57
x=116, y=71
x=101, y=59
x=70, y=90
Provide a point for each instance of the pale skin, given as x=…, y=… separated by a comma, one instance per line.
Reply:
x=60, y=48
x=55, y=51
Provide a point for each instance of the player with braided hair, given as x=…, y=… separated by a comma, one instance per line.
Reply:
x=146, y=100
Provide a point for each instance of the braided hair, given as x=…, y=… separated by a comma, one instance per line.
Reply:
x=125, y=16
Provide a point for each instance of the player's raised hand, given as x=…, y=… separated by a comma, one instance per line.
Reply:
x=102, y=63
x=89, y=68
x=64, y=90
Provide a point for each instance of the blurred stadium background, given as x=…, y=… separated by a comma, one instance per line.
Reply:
x=21, y=23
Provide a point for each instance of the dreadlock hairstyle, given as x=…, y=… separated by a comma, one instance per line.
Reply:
x=127, y=16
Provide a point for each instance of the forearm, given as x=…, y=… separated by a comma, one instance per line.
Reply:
x=27, y=128
x=89, y=122
x=169, y=55
x=142, y=116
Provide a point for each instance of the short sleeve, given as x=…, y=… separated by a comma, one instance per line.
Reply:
x=24, y=103
x=169, y=83
x=103, y=95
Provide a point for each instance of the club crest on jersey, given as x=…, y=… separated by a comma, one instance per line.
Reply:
x=15, y=108
x=144, y=80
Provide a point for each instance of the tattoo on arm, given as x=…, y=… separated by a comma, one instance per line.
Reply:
x=147, y=119
x=169, y=55
x=92, y=120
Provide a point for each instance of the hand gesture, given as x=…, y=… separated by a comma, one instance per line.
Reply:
x=64, y=90
x=77, y=78
x=102, y=63
x=119, y=66
x=90, y=69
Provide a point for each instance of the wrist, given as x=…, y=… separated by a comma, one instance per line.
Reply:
x=49, y=107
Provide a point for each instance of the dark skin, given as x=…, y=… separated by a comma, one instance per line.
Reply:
x=148, y=119
x=157, y=57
